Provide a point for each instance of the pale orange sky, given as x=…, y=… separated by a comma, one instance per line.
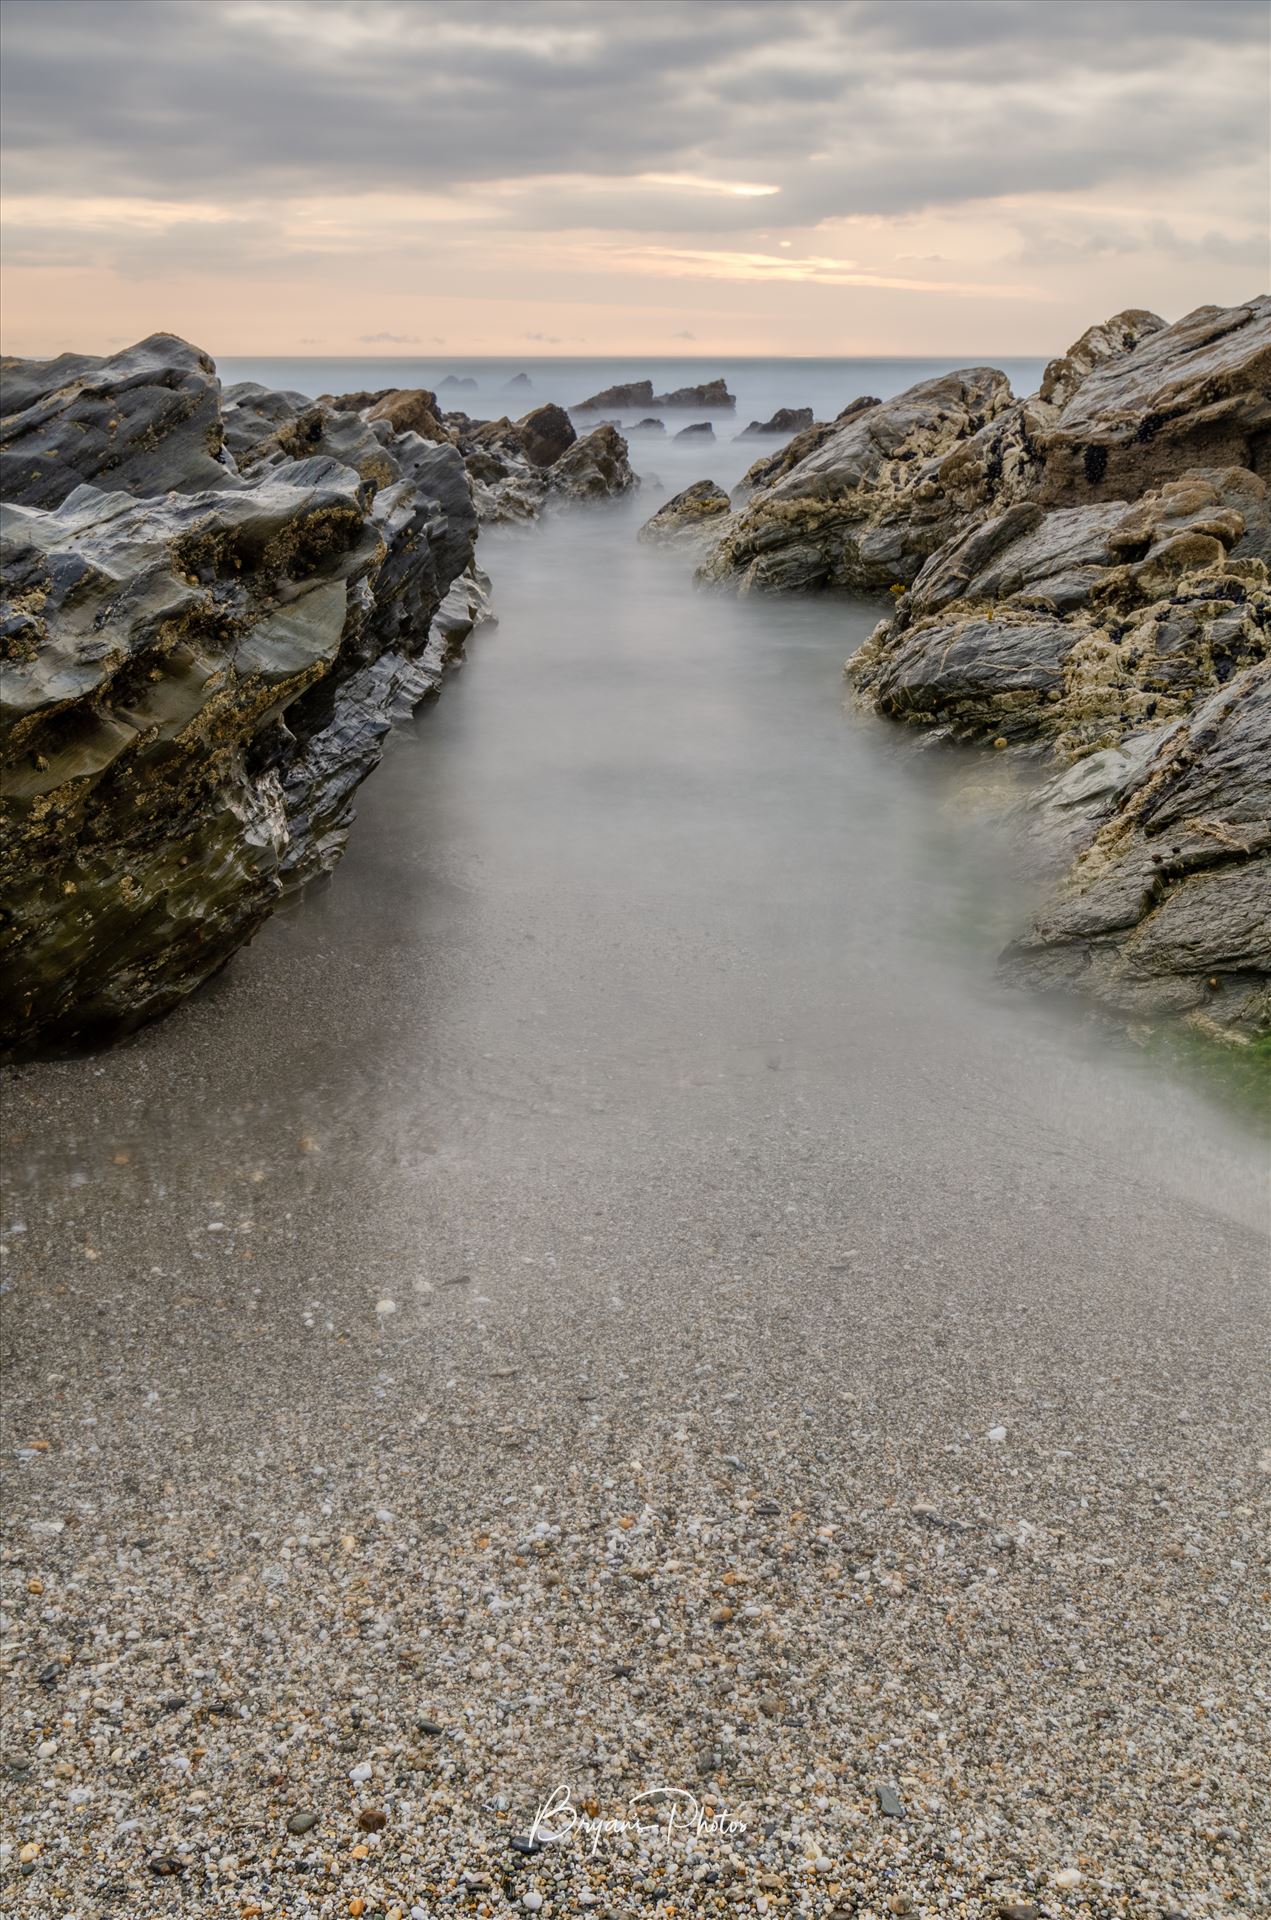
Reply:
x=592, y=177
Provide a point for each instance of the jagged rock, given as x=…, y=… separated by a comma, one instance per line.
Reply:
x=784, y=420
x=197, y=681
x=507, y=488
x=648, y=426
x=700, y=430
x=1080, y=624
x=639, y=393
x=519, y=383
x=455, y=382
x=1111, y=340
x=771, y=466
x=1197, y=394
x=410, y=410
x=864, y=508
x=635, y=393
x=689, y=518
x=596, y=467
x=147, y=419
x=711, y=393
x=545, y=434
x=251, y=413
x=1168, y=910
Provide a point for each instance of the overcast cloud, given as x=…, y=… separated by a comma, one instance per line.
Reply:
x=919, y=173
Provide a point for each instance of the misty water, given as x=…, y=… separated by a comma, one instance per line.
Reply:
x=642, y=931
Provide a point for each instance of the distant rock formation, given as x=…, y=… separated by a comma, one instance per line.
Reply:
x=700, y=430
x=784, y=420
x=458, y=382
x=519, y=383
x=639, y=393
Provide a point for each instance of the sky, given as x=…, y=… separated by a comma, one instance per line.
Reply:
x=684, y=177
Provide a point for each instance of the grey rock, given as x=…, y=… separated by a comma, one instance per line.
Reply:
x=144, y=421
x=784, y=420
x=196, y=682
x=690, y=518
x=863, y=508
x=700, y=430
x=1168, y=909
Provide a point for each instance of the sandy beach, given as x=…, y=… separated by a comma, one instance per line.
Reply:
x=535, y=1326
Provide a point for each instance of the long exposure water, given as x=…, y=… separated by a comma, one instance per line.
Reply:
x=634, y=1125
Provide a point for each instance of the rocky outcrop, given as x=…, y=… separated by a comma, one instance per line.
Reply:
x=711, y=393
x=197, y=678
x=1086, y=572
x=649, y=426
x=1080, y=624
x=865, y=507
x=639, y=393
x=773, y=466
x=149, y=417
x=635, y=393
x=784, y=420
x=519, y=383
x=545, y=434
x=689, y=519
x=700, y=430
x=1168, y=908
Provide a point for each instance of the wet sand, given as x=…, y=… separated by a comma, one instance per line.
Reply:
x=612, y=1278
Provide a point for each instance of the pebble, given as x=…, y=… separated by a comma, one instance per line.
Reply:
x=371, y=1819
x=890, y=1802
x=301, y=1822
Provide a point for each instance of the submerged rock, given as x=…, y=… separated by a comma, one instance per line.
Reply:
x=700, y=430
x=197, y=679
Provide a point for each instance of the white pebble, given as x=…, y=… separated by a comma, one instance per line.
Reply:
x=1068, y=1877
x=997, y=1435
x=385, y=1306
x=361, y=1772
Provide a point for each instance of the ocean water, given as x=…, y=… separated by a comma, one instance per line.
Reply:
x=760, y=387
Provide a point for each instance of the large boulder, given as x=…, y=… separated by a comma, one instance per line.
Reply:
x=197, y=680
x=634, y=393
x=864, y=508
x=689, y=519
x=595, y=467
x=144, y=421
x=546, y=432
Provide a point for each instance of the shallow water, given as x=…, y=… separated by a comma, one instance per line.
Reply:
x=633, y=1126
x=643, y=883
